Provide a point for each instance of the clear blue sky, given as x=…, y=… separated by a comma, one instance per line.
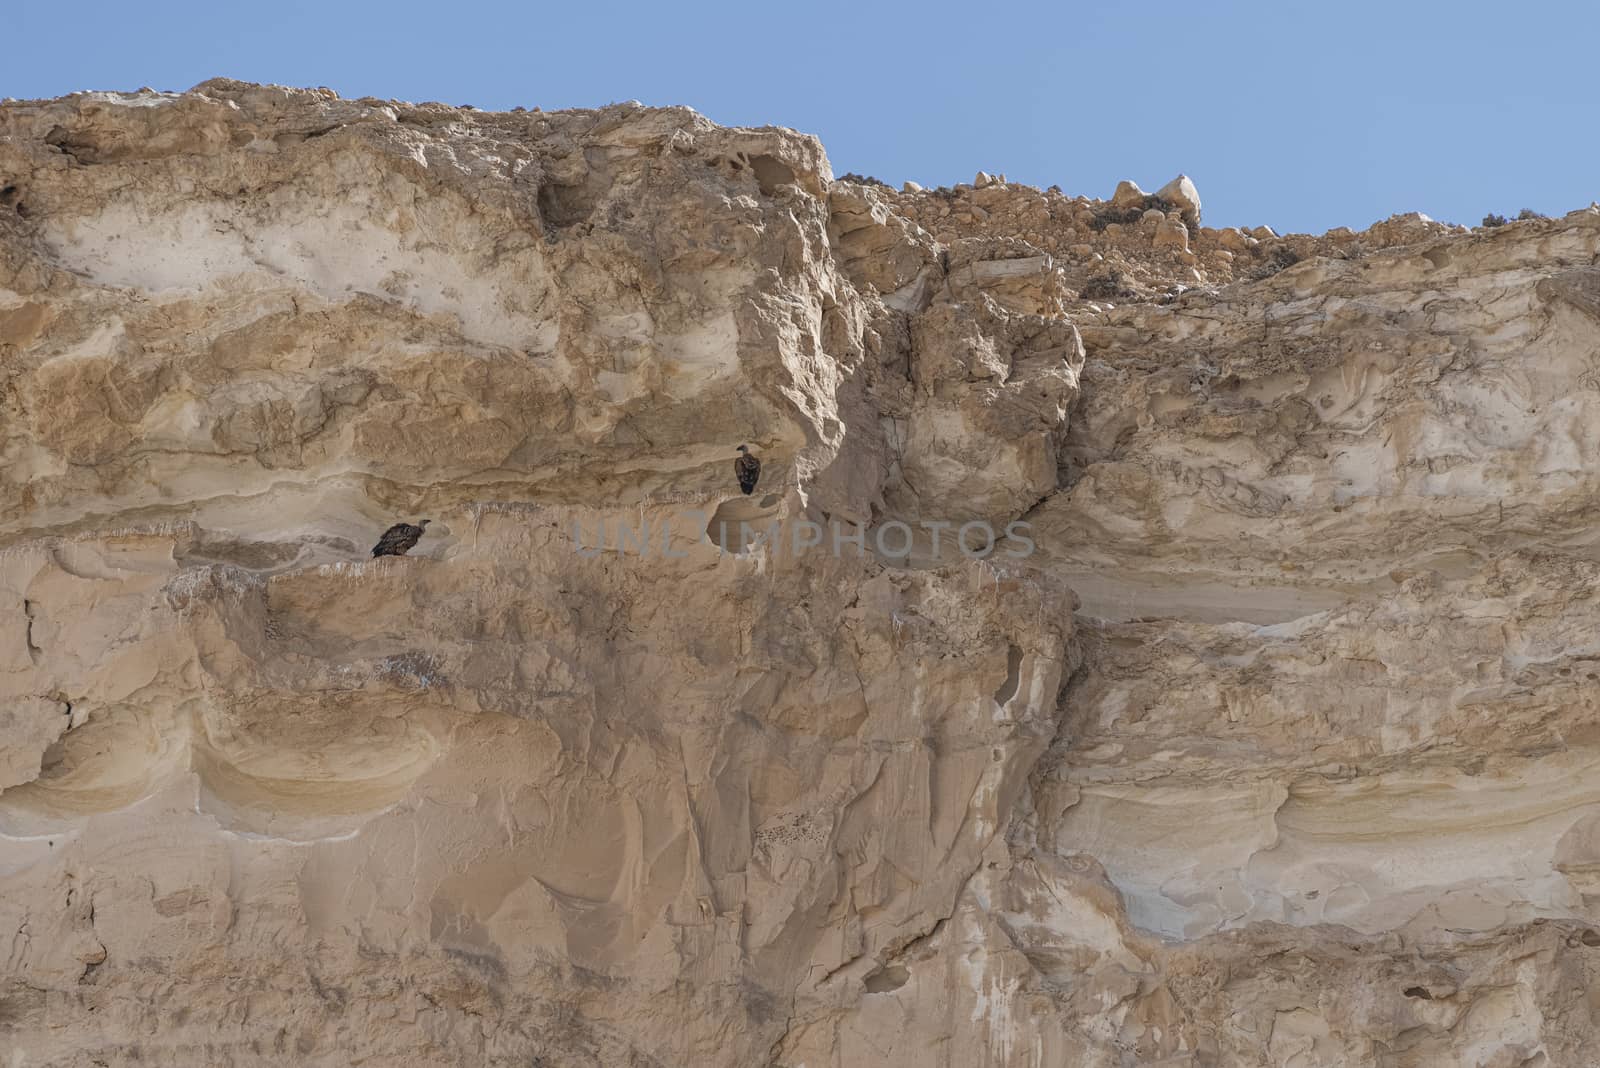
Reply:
x=1300, y=116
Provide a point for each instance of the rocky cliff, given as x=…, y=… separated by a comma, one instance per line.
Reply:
x=1278, y=747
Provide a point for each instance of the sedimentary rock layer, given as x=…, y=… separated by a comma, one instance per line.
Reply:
x=1277, y=749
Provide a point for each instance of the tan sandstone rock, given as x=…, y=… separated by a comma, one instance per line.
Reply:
x=1182, y=193
x=1170, y=233
x=1127, y=195
x=1277, y=749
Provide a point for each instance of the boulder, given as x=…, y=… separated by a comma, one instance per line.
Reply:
x=1181, y=193
x=1234, y=239
x=1128, y=195
x=1170, y=233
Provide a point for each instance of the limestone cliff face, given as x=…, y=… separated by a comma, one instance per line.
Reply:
x=1279, y=748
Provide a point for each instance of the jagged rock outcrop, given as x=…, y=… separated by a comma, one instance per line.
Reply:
x=1277, y=748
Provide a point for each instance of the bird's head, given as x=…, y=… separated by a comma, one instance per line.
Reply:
x=744, y=448
x=422, y=524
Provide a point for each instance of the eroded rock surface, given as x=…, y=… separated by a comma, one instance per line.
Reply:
x=1278, y=750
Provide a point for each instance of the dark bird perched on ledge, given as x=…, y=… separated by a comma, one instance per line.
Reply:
x=748, y=468
x=398, y=538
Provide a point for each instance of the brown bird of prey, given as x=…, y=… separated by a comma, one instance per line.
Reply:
x=398, y=538
x=748, y=468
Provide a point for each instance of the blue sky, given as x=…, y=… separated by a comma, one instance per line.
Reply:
x=1299, y=116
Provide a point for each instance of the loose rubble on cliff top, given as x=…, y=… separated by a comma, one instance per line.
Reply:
x=1278, y=750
